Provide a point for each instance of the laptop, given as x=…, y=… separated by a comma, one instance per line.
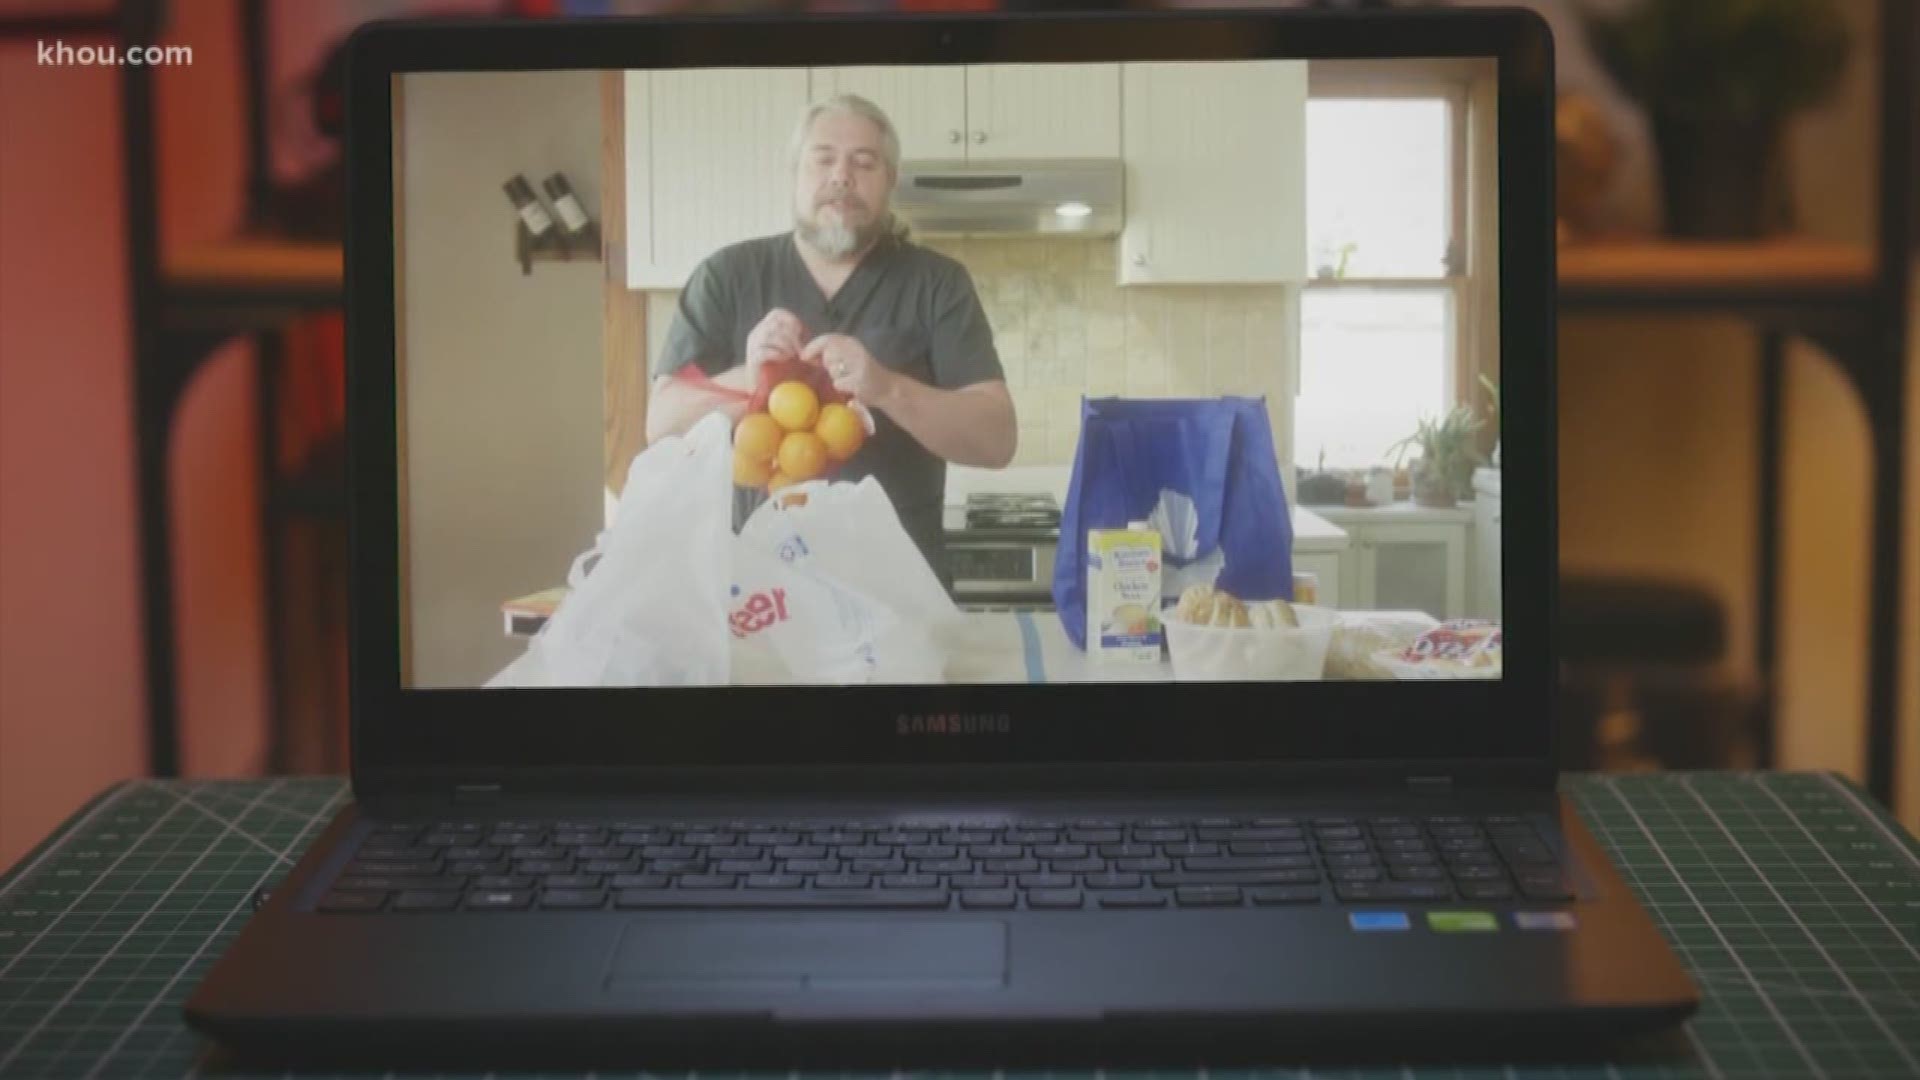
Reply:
x=1233, y=818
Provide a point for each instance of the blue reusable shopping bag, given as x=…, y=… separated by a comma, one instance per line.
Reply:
x=1203, y=472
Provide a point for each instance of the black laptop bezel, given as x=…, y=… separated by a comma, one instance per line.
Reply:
x=1353, y=728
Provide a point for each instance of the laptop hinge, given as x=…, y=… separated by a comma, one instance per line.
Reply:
x=476, y=793
x=1430, y=785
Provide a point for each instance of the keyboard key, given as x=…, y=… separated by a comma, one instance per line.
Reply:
x=1207, y=896
x=502, y=881
x=1190, y=848
x=1410, y=858
x=997, y=851
x=1339, y=862
x=746, y=852
x=705, y=881
x=577, y=899
x=395, y=882
x=843, y=881
x=977, y=881
x=866, y=852
x=1143, y=866
x=1471, y=858
x=1054, y=899
x=1446, y=819
x=462, y=827
x=1236, y=877
x=923, y=852
x=394, y=866
x=572, y=881
x=1028, y=865
x=1162, y=822
x=743, y=866
x=1267, y=847
x=1285, y=894
x=516, y=838
x=499, y=899
x=800, y=851
x=1090, y=865
x=1455, y=832
x=1248, y=862
x=775, y=881
x=776, y=838
x=1159, y=835
x=898, y=837
x=1216, y=822
x=352, y=901
x=1355, y=873
x=1458, y=845
x=480, y=854
x=877, y=866
x=1395, y=831
x=1485, y=890
x=1331, y=821
x=910, y=881
x=707, y=837
x=397, y=852
x=395, y=828
x=811, y=866
x=1267, y=833
x=845, y=900
x=1094, y=836
x=1032, y=836
x=477, y=866
x=544, y=866
x=1128, y=851
x=1543, y=885
x=989, y=898
x=1368, y=891
x=427, y=900
x=1133, y=899
x=1060, y=851
x=640, y=881
x=1418, y=873
x=1112, y=881
x=1478, y=873
x=1343, y=847
x=1047, y=881
x=945, y=866
x=1520, y=852
x=610, y=866
x=639, y=838
x=547, y=851
x=1410, y=843
x=1276, y=823
x=1338, y=832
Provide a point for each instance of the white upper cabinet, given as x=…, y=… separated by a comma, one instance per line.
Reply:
x=706, y=164
x=990, y=111
x=928, y=105
x=1216, y=172
x=1043, y=111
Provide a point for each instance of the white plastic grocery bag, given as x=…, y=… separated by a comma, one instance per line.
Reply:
x=829, y=588
x=648, y=604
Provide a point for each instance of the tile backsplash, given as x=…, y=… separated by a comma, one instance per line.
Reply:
x=1064, y=329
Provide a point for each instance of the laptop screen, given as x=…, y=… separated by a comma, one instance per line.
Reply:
x=947, y=374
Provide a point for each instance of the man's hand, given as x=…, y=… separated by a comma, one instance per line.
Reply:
x=777, y=337
x=851, y=367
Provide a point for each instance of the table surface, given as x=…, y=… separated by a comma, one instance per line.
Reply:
x=1793, y=900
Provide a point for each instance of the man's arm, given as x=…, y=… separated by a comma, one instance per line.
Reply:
x=972, y=425
x=674, y=406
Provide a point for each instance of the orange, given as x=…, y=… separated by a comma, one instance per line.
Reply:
x=802, y=456
x=751, y=470
x=794, y=404
x=757, y=436
x=839, y=427
x=778, y=481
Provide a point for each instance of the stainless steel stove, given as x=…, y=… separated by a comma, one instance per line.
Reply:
x=1000, y=548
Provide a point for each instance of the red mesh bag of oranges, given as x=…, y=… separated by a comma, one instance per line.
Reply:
x=797, y=427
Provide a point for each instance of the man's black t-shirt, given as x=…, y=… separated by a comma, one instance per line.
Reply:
x=914, y=309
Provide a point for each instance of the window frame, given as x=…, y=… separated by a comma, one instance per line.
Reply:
x=1471, y=281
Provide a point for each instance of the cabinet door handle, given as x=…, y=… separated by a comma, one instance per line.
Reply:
x=953, y=136
x=979, y=137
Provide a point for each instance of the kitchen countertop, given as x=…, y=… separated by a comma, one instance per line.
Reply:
x=1311, y=531
x=1032, y=647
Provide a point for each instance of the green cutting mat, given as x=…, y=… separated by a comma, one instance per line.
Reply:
x=1794, y=901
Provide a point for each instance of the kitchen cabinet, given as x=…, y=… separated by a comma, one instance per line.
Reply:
x=706, y=164
x=990, y=111
x=1215, y=172
x=1405, y=558
x=1486, y=544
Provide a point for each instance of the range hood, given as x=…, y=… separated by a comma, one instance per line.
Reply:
x=1078, y=198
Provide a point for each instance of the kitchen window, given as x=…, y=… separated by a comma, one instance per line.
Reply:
x=1394, y=318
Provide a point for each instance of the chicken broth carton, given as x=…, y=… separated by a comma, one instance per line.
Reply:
x=1123, y=595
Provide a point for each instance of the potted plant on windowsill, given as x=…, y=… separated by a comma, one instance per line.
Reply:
x=1718, y=80
x=1443, y=473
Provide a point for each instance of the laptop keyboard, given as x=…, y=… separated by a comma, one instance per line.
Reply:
x=1042, y=865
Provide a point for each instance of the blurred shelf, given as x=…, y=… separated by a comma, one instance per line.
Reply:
x=1680, y=274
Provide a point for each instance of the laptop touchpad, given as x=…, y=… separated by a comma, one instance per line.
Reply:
x=794, y=953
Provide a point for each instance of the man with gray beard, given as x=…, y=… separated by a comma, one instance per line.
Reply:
x=896, y=325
